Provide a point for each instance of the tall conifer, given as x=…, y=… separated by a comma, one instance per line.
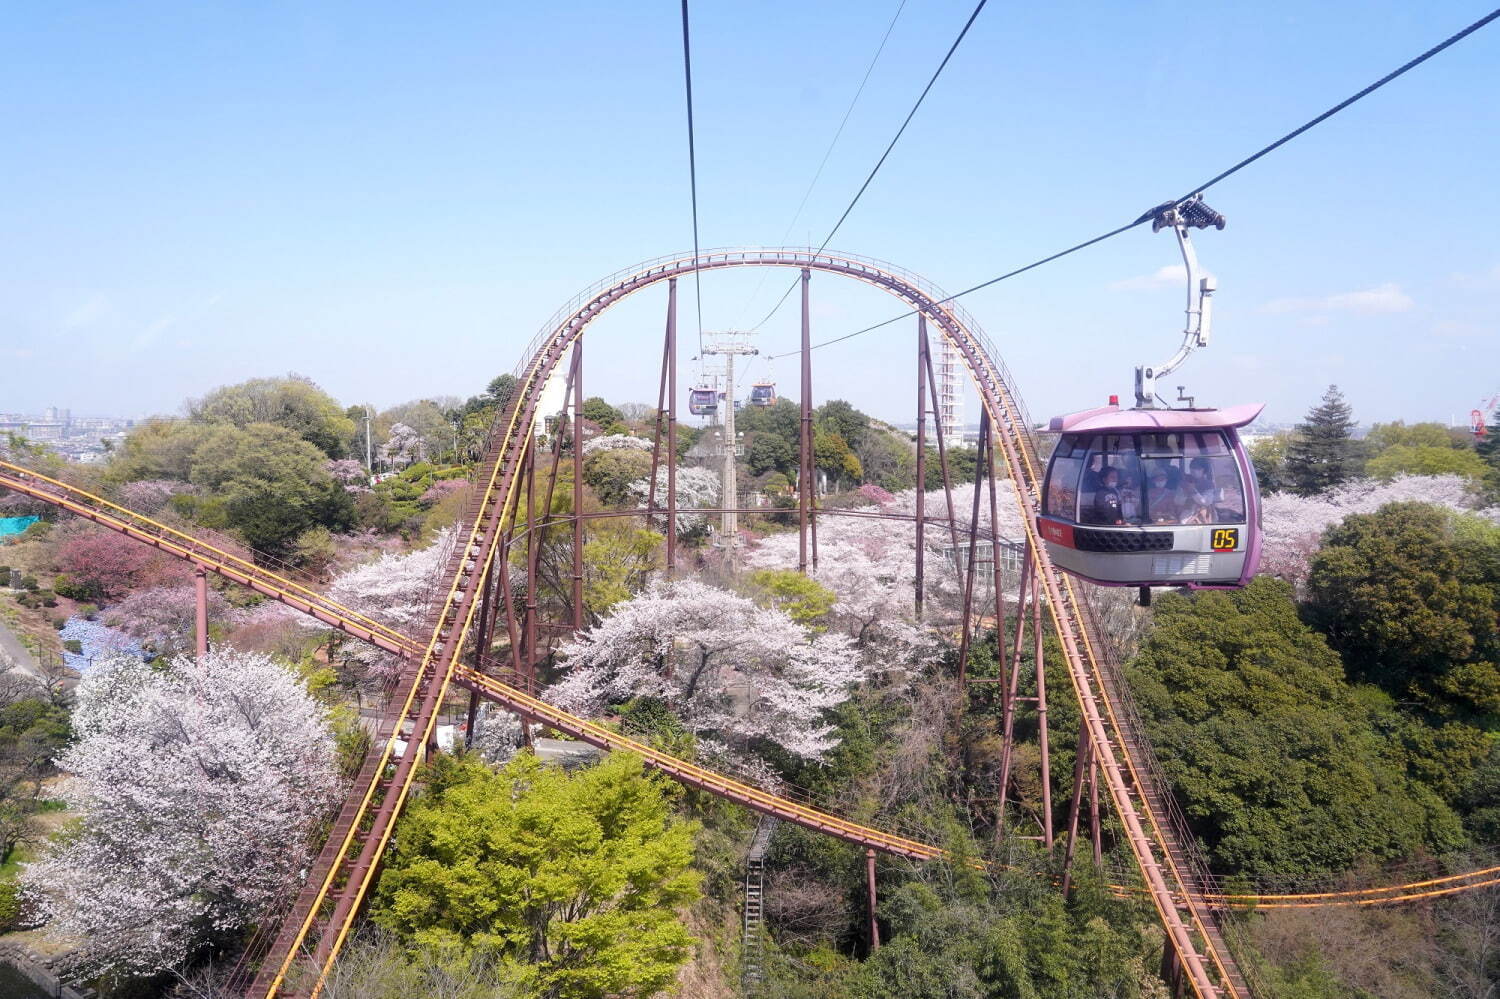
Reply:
x=1323, y=452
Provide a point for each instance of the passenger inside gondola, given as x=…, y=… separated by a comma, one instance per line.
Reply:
x=1107, y=505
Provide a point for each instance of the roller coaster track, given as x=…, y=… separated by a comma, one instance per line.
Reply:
x=1190, y=903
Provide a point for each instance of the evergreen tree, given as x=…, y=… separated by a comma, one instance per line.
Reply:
x=1323, y=452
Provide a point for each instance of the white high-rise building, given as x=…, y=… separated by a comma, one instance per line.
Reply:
x=951, y=392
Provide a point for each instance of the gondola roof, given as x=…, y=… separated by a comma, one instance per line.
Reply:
x=1113, y=419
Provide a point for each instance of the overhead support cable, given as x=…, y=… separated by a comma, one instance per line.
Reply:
x=883, y=156
x=1152, y=213
x=833, y=142
x=687, y=73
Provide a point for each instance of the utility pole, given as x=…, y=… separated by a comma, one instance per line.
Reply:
x=729, y=345
x=369, y=447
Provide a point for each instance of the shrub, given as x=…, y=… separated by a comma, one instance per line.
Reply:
x=65, y=586
x=30, y=583
x=74, y=646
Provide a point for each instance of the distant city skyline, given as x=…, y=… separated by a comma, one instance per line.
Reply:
x=391, y=201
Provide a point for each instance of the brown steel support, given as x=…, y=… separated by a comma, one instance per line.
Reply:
x=805, y=436
x=481, y=647
x=964, y=636
x=1075, y=805
x=937, y=425
x=200, y=610
x=1094, y=829
x=922, y=461
x=995, y=566
x=672, y=429
x=578, y=484
x=1012, y=689
x=870, y=898
x=531, y=553
x=1041, y=708
x=658, y=430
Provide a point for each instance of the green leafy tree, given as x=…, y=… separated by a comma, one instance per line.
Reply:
x=783, y=418
x=888, y=460
x=33, y=730
x=1402, y=434
x=1407, y=459
x=1389, y=590
x=838, y=417
x=1268, y=456
x=575, y=879
x=158, y=449
x=770, y=453
x=271, y=484
x=618, y=562
x=1281, y=767
x=293, y=402
x=1323, y=452
x=805, y=600
x=596, y=410
x=831, y=453
x=610, y=473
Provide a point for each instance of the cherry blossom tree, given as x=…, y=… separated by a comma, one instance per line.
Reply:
x=108, y=565
x=616, y=442
x=696, y=487
x=395, y=590
x=198, y=787
x=162, y=618
x=148, y=496
x=731, y=670
x=402, y=447
x=349, y=473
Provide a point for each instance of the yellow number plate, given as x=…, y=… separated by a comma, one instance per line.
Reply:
x=1226, y=539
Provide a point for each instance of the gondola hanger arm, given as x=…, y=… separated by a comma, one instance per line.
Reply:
x=1181, y=217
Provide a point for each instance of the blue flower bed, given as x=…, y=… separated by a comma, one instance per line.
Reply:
x=98, y=640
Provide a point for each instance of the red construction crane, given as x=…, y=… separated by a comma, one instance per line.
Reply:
x=1480, y=418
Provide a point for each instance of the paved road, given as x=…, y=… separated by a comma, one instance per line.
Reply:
x=12, y=647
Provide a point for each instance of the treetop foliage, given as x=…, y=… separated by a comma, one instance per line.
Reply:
x=1411, y=602
x=294, y=403
x=1282, y=768
x=572, y=880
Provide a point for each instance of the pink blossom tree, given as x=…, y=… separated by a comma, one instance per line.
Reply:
x=731, y=670
x=349, y=473
x=110, y=564
x=198, y=786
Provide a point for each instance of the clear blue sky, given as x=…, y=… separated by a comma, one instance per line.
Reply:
x=392, y=198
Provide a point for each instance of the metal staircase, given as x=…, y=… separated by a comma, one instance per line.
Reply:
x=752, y=949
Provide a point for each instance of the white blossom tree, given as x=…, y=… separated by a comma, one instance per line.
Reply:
x=732, y=671
x=615, y=442
x=696, y=488
x=395, y=590
x=198, y=786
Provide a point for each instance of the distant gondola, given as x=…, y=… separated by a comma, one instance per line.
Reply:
x=703, y=401
x=763, y=394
